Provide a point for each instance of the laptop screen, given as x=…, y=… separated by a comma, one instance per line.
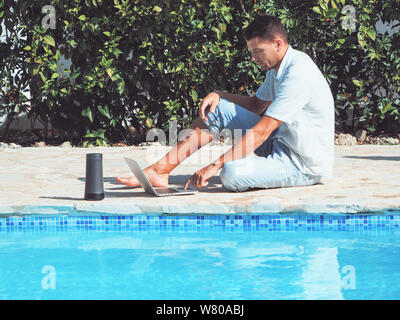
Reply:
x=138, y=172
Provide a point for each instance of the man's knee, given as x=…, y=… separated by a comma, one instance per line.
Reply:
x=226, y=175
x=215, y=121
x=230, y=176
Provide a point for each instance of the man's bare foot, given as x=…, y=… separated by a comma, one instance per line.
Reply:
x=156, y=179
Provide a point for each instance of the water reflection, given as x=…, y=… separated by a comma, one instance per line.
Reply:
x=321, y=278
x=309, y=265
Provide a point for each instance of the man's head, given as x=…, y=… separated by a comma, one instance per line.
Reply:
x=267, y=41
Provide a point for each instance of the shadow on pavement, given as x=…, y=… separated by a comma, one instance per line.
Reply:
x=173, y=180
x=374, y=158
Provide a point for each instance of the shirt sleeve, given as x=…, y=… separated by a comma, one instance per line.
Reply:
x=291, y=97
x=264, y=92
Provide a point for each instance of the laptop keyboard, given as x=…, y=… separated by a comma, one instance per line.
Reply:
x=165, y=190
x=172, y=191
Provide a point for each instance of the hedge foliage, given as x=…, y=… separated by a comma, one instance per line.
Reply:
x=147, y=62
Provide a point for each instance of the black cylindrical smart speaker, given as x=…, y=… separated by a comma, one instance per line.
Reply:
x=94, y=186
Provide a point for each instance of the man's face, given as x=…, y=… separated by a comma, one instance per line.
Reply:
x=265, y=52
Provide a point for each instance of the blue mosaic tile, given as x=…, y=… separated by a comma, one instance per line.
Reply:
x=218, y=223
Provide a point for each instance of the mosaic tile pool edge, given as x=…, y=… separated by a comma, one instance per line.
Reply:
x=197, y=209
x=209, y=223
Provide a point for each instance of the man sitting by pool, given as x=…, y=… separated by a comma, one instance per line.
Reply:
x=291, y=122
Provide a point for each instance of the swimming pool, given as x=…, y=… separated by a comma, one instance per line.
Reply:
x=296, y=256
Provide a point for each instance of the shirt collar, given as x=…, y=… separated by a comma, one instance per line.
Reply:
x=284, y=63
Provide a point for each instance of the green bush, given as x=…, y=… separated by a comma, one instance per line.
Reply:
x=14, y=78
x=363, y=66
x=147, y=62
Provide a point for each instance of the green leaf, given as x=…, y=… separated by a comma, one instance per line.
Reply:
x=28, y=48
x=226, y=43
x=361, y=40
x=73, y=43
x=107, y=33
x=75, y=75
x=388, y=107
x=373, y=55
x=42, y=76
x=110, y=73
x=332, y=13
x=194, y=95
x=53, y=66
x=54, y=75
x=357, y=83
x=82, y=17
x=179, y=67
x=58, y=55
x=100, y=133
x=49, y=40
x=222, y=27
x=149, y=122
x=157, y=9
x=89, y=135
x=121, y=86
x=317, y=10
x=108, y=62
x=88, y=113
x=215, y=29
x=104, y=111
x=371, y=33
x=160, y=67
x=117, y=51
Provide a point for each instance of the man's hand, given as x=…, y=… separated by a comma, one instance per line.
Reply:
x=200, y=178
x=212, y=100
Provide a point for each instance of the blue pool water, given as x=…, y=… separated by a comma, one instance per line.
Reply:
x=221, y=257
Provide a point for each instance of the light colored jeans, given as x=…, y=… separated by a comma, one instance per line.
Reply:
x=270, y=167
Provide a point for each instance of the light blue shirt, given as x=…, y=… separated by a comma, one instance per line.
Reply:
x=302, y=100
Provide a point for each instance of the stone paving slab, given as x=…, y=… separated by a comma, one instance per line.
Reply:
x=51, y=180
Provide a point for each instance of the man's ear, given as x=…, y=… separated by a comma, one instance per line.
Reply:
x=279, y=44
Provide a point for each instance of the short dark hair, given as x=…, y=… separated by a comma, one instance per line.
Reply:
x=266, y=27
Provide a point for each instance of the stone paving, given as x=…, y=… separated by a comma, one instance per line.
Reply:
x=51, y=180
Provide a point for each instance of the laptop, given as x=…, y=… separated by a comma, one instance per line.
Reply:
x=148, y=187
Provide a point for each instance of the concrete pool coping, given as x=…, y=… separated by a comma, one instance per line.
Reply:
x=51, y=181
